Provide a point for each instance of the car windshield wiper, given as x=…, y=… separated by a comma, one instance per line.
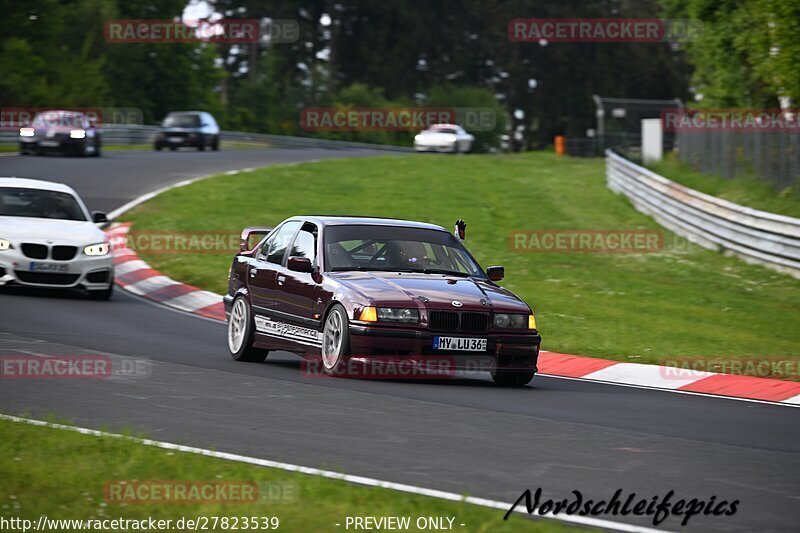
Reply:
x=443, y=271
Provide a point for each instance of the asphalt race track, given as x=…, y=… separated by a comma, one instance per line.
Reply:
x=460, y=435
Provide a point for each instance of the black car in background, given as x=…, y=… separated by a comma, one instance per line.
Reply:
x=70, y=132
x=196, y=129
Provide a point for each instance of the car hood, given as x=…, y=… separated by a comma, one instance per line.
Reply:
x=391, y=289
x=42, y=230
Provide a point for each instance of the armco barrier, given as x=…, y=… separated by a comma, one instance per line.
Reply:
x=122, y=135
x=755, y=236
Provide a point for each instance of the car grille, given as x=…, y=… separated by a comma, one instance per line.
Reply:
x=443, y=320
x=453, y=321
x=48, y=278
x=34, y=251
x=474, y=321
x=64, y=253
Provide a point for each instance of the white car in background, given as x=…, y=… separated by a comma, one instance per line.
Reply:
x=49, y=239
x=444, y=138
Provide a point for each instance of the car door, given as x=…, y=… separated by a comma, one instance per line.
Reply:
x=296, y=296
x=263, y=269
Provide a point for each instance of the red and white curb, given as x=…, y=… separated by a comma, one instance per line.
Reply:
x=137, y=277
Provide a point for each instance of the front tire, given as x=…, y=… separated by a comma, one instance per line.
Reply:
x=336, y=342
x=512, y=378
x=240, y=333
x=102, y=294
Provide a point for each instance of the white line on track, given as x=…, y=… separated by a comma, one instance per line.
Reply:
x=358, y=480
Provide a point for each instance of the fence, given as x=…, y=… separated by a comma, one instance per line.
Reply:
x=771, y=156
x=126, y=135
x=624, y=142
x=755, y=236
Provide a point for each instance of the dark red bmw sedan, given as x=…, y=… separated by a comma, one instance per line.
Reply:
x=340, y=290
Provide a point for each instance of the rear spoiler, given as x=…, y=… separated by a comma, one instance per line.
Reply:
x=244, y=240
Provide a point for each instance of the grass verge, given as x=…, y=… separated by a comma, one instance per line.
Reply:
x=745, y=191
x=636, y=307
x=62, y=475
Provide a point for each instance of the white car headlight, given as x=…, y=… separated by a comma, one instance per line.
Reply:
x=27, y=132
x=77, y=134
x=5, y=244
x=450, y=138
x=502, y=320
x=97, y=249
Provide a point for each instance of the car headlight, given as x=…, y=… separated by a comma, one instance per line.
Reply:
x=502, y=320
x=97, y=249
x=5, y=244
x=450, y=138
x=389, y=314
x=27, y=132
x=77, y=134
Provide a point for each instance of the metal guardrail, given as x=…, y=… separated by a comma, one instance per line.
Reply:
x=755, y=236
x=125, y=135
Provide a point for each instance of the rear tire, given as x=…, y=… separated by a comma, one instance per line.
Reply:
x=512, y=378
x=336, y=342
x=240, y=333
x=97, y=147
x=215, y=146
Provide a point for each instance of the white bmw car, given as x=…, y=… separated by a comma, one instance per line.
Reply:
x=49, y=239
x=444, y=138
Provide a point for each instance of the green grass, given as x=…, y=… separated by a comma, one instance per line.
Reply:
x=682, y=301
x=745, y=191
x=61, y=474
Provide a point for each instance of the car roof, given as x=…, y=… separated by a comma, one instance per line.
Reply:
x=342, y=220
x=443, y=126
x=27, y=183
x=187, y=113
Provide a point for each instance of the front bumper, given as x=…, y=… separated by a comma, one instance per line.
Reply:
x=439, y=147
x=508, y=351
x=89, y=272
x=58, y=144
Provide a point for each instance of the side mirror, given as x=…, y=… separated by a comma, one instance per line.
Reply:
x=98, y=217
x=244, y=239
x=496, y=273
x=299, y=264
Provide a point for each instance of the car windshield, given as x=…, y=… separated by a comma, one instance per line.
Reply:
x=182, y=121
x=397, y=249
x=442, y=130
x=53, y=119
x=39, y=203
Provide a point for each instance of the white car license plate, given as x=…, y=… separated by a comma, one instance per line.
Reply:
x=49, y=144
x=461, y=344
x=175, y=139
x=36, y=266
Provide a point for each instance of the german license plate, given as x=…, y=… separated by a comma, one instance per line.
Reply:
x=36, y=266
x=175, y=139
x=461, y=344
x=49, y=144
